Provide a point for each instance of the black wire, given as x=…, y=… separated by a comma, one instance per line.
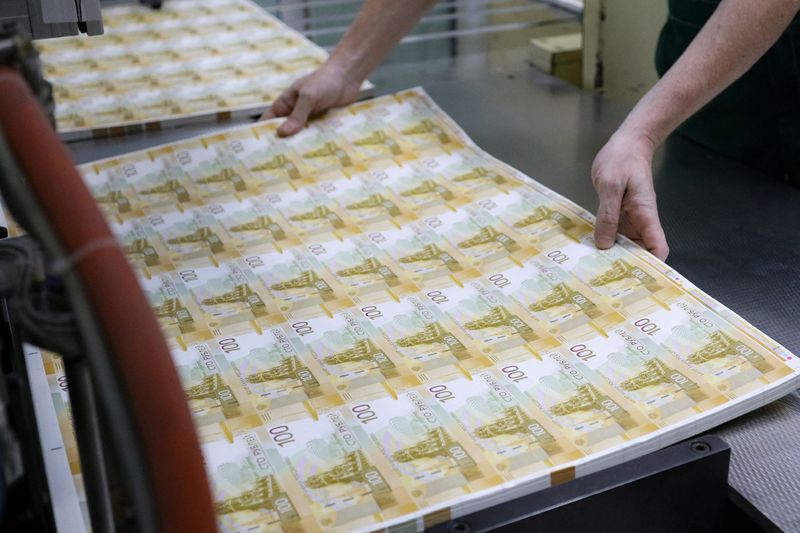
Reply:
x=106, y=382
x=29, y=300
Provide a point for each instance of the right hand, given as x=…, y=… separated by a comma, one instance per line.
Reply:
x=326, y=87
x=622, y=175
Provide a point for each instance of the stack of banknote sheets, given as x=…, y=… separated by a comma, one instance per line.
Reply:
x=189, y=61
x=378, y=324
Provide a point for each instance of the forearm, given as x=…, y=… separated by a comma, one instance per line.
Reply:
x=734, y=38
x=378, y=27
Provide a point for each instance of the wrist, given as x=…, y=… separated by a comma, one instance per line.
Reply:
x=636, y=140
x=650, y=122
x=345, y=66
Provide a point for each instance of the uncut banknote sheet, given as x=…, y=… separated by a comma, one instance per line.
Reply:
x=378, y=324
x=191, y=60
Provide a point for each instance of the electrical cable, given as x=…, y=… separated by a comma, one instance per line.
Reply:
x=22, y=205
x=137, y=383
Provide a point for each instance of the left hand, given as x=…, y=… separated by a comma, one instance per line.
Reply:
x=623, y=178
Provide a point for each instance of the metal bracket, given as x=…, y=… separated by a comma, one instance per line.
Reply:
x=681, y=488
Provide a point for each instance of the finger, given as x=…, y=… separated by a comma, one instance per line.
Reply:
x=299, y=115
x=267, y=114
x=282, y=105
x=607, y=214
x=654, y=240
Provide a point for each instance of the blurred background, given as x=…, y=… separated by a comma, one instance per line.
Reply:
x=600, y=45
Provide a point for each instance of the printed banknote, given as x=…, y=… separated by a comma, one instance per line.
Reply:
x=375, y=323
x=184, y=62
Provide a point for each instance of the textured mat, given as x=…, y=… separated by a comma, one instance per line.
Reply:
x=765, y=466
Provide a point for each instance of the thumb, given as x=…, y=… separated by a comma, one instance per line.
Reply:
x=608, y=214
x=299, y=116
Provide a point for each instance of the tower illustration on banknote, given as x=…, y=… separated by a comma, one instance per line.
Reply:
x=260, y=223
x=262, y=496
x=226, y=177
x=479, y=173
x=278, y=162
x=379, y=138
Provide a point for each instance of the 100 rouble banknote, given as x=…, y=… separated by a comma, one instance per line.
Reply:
x=376, y=323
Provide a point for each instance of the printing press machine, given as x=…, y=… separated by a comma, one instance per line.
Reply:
x=731, y=231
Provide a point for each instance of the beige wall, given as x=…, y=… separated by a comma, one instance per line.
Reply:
x=619, y=46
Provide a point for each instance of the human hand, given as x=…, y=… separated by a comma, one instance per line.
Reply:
x=326, y=87
x=623, y=178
